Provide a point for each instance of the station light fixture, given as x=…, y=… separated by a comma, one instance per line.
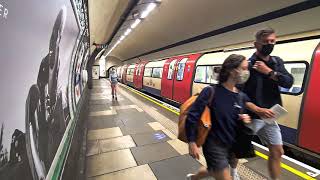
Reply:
x=122, y=37
x=135, y=24
x=143, y=15
x=127, y=31
x=150, y=7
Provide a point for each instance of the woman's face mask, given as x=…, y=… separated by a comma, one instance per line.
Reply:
x=243, y=76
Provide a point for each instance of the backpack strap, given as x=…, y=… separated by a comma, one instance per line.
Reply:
x=241, y=104
x=212, y=91
x=274, y=59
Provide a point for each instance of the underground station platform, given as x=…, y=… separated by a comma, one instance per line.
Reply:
x=135, y=137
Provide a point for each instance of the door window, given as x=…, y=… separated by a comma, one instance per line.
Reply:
x=147, y=72
x=157, y=72
x=181, y=66
x=207, y=74
x=298, y=71
x=171, y=69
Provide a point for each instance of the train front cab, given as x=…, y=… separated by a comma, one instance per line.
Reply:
x=119, y=73
x=300, y=127
x=177, y=77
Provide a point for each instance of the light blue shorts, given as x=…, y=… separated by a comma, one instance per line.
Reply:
x=268, y=133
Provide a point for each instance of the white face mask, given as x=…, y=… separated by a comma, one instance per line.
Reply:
x=243, y=76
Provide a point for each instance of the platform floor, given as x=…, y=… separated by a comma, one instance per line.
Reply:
x=133, y=138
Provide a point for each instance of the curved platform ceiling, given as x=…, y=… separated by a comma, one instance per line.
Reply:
x=176, y=20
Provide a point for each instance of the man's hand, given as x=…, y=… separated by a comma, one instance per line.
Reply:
x=245, y=118
x=261, y=67
x=194, y=150
x=264, y=113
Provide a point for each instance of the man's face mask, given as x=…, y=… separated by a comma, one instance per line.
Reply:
x=243, y=76
x=266, y=49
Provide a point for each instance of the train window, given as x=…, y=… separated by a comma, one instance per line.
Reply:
x=131, y=71
x=157, y=73
x=171, y=69
x=181, y=66
x=138, y=69
x=147, y=72
x=298, y=71
x=207, y=74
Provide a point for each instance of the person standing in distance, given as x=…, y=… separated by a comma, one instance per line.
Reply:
x=267, y=73
x=114, y=81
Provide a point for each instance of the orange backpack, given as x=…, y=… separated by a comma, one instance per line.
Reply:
x=204, y=123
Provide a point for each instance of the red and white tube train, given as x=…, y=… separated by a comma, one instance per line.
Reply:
x=177, y=78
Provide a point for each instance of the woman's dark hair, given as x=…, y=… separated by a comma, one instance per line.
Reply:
x=232, y=62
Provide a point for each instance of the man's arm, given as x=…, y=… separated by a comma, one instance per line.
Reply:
x=261, y=112
x=282, y=76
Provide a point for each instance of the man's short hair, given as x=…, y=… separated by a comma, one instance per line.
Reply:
x=263, y=33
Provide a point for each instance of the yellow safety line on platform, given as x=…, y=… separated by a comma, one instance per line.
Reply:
x=284, y=166
x=159, y=104
x=289, y=168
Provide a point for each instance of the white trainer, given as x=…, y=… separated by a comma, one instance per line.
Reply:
x=188, y=177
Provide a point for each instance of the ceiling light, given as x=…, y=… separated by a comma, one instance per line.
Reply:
x=135, y=24
x=150, y=7
x=127, y=31
x=121, y=38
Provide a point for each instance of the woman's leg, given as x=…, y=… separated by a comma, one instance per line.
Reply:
x=218, y=175
x=115, y=90
x=202, y=173
x=221, y=175
x=112, y=90
x=233, y=167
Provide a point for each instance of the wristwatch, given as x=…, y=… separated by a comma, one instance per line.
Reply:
x=272, y=73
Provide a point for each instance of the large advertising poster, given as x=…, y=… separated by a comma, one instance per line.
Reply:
x=37, y=45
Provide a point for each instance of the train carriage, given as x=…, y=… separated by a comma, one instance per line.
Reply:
x=152, y=77
x=299, y=126
x=178, y=74
x=179, y=77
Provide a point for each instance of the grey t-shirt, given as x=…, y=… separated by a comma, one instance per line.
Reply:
x=113, y=77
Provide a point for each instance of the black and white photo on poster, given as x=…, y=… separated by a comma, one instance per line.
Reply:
x=40, y=37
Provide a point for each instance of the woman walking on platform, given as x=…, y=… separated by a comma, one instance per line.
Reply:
x=114, y=81
x=226, y=115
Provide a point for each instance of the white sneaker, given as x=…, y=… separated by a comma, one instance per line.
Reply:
x=188, y=177
x=235, y=176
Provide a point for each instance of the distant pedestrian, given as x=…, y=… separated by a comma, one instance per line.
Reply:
x=113, y=77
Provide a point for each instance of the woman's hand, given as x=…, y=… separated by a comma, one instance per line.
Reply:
x=245, y=118
x=194, y=151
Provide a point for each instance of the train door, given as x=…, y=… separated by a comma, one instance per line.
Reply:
x=310, y=120
x=168, y=77
x=183, y=78
x=124, y=74
x=140, y=73
x=135, y=75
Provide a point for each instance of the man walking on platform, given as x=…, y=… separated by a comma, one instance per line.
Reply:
x=267, y=73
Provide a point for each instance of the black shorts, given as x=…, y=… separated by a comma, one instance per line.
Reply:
x=217, y=155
